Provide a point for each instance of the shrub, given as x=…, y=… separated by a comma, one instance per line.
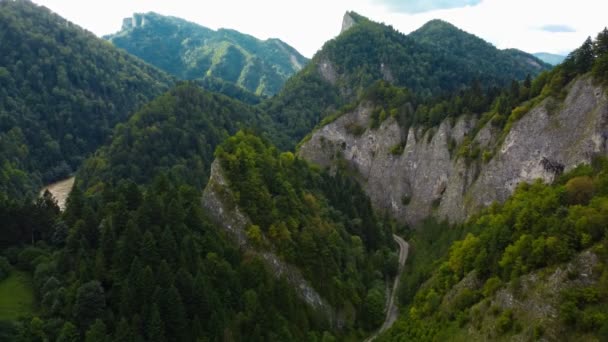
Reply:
x=580, y=190
x=504, y=323
x=5, y=268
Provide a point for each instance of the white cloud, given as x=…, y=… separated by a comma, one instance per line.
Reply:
x=421, y=6
x=307, y=25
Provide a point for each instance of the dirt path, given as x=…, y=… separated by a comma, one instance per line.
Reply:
x=60, y=191
x=392, y=311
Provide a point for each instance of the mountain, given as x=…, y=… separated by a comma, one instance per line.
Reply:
x=61, y=92
x=476, y=54
x=507, y=203
x=435, y=60
x=535, y=129
x=175, y=134
x=550, y=58
x=190, y=51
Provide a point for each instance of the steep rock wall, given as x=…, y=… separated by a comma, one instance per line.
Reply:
x=429, y=179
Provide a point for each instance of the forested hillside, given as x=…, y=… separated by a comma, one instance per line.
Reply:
x=435, y=61
x=61, y=92
x=139, y=254
x=531, y=268
x=144, y=264
x=175, y=134
x=323, y=224
x=190, y=51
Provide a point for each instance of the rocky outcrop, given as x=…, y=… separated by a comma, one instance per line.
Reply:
x=428, y=177
x=137, y=20
x=223, y=209
x=347, y=22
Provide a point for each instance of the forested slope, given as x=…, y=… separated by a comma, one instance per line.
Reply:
x=368, y=51
x=61, y=92
x=190, y=51
x=175, y=134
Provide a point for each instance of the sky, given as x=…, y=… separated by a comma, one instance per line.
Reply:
x=554, y=26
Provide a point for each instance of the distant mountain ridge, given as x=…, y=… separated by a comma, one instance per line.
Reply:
x=191, y=51
x=437, y=59
x=550, y=58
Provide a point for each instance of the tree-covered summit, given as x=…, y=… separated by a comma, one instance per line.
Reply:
x=436, y=60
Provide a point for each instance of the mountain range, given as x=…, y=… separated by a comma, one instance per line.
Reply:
x=190, y=51
x=435, y=60
x=206, y=208
x=550, y=58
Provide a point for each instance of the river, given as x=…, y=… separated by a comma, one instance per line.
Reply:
x=60, y=191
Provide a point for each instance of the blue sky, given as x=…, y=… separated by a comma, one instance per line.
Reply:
x=555, y=26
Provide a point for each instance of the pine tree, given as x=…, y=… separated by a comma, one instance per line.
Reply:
x=155, y=331
x=174, y=315
x=600, y=46
x=97, y=332
x=68, y=333
x=148, y=251
x=584, y=57
x=90, y=303
x=124, y=333
x=167, y=246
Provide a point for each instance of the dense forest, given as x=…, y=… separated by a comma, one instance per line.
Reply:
x=456, y=273
x=190, y=51
x=323, y=224
x=61, y=92
x=367, y=52
x=175, y=134
x=130, y=263
x=143, y=264
x=136, y=257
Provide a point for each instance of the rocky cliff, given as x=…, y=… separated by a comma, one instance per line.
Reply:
x=221, y=206
x=416, y=173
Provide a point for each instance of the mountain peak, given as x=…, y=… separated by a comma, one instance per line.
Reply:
x=351, y=19
x=437, y=25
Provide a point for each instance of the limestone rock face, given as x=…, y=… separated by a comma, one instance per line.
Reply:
x=347, y=22
x=223, y=209
x=428, y=178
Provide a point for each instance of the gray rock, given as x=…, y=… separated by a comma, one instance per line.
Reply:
x=347, y=22
x=429, y=179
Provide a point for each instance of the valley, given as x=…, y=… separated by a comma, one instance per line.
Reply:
x=392, y=310
x=208, y=185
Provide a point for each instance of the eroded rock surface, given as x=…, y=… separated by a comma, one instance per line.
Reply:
x=428, y=178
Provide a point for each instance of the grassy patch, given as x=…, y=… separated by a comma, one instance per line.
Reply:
x=16, y=296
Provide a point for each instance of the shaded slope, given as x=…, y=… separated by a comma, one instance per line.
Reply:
x=61, y=92
x=175, y=134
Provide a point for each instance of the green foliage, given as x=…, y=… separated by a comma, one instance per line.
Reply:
x=174, y=134
x=16, y=296
x=5, y=268
x=374, y=306
x=61, y=92
x=323, y=224
x=539, y=226
x=397, y=150
x=432, y=62
x=189, y=51
x=504, y=323
x=153, y=268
